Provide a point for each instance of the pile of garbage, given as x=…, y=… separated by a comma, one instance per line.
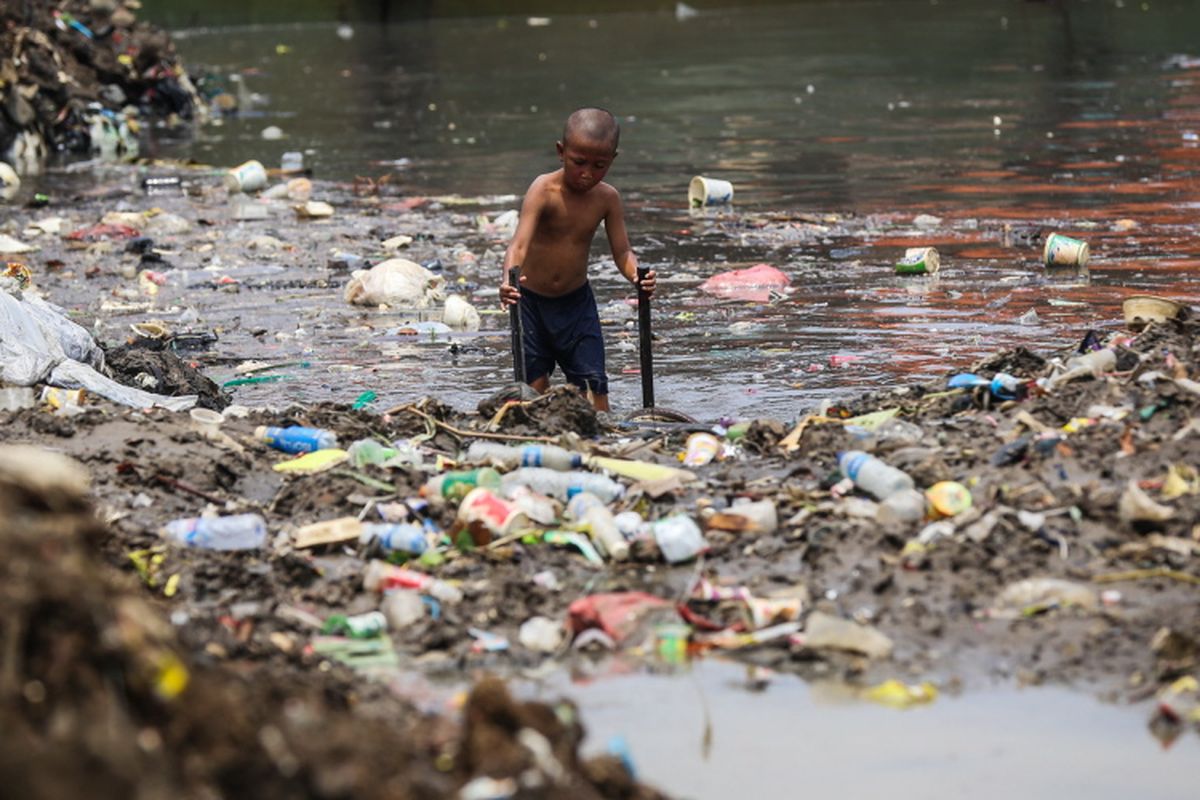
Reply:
x=81, y=76
x=99, y=696
x=1041, y=508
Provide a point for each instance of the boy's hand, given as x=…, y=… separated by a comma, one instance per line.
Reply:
x=648, y=283
x=509, y=295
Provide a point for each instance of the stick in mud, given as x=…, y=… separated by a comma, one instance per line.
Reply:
x=644, y=341
x=514, y=324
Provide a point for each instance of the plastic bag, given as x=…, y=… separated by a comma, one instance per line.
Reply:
x=395, y=282
x=73, y=375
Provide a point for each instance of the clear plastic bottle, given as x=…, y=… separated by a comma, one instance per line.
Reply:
x=591, y=512
x=381, y=576
x=560, y=485
x=529, y=455
x=679, y=538
x=296, y=439
x=872, y=475
x=236, y=532
x=457, y=485
x=404, y=537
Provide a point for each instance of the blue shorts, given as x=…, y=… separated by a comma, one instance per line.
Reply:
x=565, y=331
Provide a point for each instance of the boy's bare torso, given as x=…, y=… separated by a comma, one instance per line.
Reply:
x=557, y=258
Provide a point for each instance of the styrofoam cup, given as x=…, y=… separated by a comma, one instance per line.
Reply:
x=704, y=191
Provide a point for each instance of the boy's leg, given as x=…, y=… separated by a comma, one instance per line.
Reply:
x=536, y=343
x=583, y=360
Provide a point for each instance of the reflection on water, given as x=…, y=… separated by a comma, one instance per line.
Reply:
x=715, y=734
x=998, y=118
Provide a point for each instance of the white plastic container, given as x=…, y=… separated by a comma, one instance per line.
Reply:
x=679, y=538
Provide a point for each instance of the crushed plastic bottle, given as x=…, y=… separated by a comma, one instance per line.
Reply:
x=296, y=439
x=530, y=455
x=235, y=532
x=1089, y=364
x=369, y=451
x=872, y=475
x=591, y=512
x=381, y=576
x=561, y=485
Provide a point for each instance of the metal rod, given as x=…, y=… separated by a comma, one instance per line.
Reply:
x=644, y=341
x=517, y=332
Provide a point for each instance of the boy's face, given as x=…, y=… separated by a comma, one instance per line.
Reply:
x=585, y=162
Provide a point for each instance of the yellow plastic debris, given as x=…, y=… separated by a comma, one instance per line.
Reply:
x=172, y=677
x=894, y=694
x=312, y=463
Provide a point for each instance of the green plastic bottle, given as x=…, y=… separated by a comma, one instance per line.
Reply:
x=456, y=485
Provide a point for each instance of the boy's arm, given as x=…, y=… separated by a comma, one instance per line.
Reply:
x=531, y=209
x=622, y=253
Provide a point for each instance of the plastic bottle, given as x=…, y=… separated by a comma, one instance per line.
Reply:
x=381, y=576
x=529, y=455
x=872, y=475
x=679, y=538
x=236, y=532
x=296, y=439
x=591, y=512
x=457, y=485
x=369, y=451
x=404, y=537
x=559, y=485
x=359, y=626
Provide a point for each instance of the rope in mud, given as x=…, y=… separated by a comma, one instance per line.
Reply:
x=467, y=433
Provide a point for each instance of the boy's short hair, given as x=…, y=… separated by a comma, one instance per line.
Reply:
x=596, y=124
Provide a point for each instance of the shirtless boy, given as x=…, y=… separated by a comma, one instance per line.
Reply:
x=559, y=218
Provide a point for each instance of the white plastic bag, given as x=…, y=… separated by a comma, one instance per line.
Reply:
x=395, y=282
x=460, y=315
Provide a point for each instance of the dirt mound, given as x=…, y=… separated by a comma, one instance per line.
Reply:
x=111, y=63
x=163, y=372
x=100, y=698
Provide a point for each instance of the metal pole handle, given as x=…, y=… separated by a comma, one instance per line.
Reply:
x=644, y=341
x=515, y=329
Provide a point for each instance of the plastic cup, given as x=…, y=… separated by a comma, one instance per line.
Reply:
x=206, y=420
x=704, y=191
x=248, y=177
x=919, y=261
x=1063, y=251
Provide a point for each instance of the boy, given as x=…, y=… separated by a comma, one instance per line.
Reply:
x=559, y=217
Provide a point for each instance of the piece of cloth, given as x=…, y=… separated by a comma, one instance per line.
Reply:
x=564, y=331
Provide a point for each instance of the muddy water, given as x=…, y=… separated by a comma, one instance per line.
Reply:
x=722, y=732
x=1029, y=115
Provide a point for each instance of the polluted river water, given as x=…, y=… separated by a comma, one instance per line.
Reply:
x=970, y=127
x=992, y=125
